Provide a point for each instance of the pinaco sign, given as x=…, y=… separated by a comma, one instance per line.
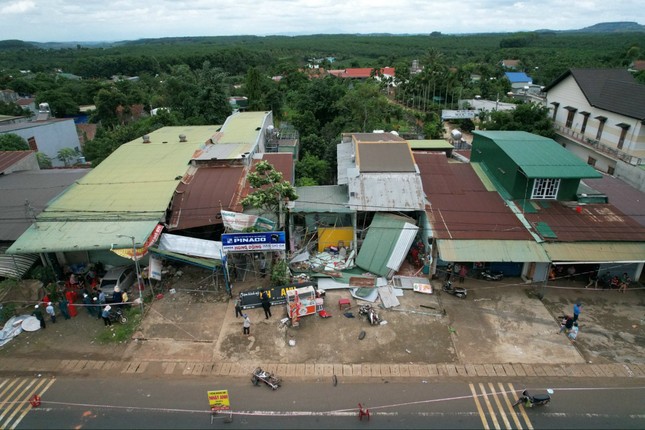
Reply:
x=249, y=242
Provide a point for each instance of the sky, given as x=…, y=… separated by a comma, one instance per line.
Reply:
x=115, y=20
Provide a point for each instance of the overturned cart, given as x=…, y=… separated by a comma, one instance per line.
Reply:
x=268, y=378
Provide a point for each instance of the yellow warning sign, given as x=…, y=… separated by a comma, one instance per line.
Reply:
x=219, y=401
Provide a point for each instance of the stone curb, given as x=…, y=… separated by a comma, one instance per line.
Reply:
x=300, y=370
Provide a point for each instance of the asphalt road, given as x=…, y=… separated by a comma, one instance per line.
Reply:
x=182, y=403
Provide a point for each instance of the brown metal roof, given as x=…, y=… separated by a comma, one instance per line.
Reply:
x=626, y=198
x=9, y=158
x=593, y=222
x=384, y=157
x=200, y=197
x=460, y=205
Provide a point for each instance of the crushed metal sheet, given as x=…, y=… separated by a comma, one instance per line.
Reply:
x=388, y=297
x=362, y=282
x=407, y=282
x=367, y=294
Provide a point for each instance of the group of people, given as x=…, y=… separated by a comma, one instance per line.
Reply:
x=246, y=322
x=51, y=312
x=609, y=281
x=460, y=269
x=569, y=324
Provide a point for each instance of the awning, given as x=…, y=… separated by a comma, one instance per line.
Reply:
x=61, y=236
x=515, y=251
x=205, y=263
x=596, y=252
x=15, y=266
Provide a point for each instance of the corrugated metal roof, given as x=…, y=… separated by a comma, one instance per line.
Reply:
x=324, y=198
x=623, y=196
x=376, y=137
x=594, y=252
x=36, y=186
x=9, y=158
x=199, y=202
x=380, y=242
x=516, y=251
x=538, y=156
x=60, y=236
x=243, y=127
x=345, y=161
x=15, y=266
x=386, y=192
x=591, y=222
x=224, y=151
x=461, y=206
x=430, y=144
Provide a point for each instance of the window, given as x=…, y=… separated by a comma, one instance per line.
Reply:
x=623, y=133
x=591, y=161
x=610, y=170
x=555, y=109
x=570, y=116
x=32, y=144
x=545, y=188
x=601, y=125
x=585, y=118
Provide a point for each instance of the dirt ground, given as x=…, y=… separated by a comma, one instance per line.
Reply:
x=496, y=323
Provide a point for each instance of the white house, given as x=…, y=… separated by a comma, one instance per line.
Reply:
x=599, y=115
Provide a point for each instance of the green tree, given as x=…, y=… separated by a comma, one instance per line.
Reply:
x=530, y=117
x=44, y=162
x=13, y=142
x=61, y=103
x=67, y=156
x=311, y=170
x=11, y=109
x=271, y=191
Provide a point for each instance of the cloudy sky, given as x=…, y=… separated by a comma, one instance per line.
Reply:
x=112, y=20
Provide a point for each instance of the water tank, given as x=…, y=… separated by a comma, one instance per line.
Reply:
x=456, y=135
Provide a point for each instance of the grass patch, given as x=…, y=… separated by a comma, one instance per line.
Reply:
x=118, y=332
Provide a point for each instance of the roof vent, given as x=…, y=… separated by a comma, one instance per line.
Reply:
x=182, y=138
x=146, y=138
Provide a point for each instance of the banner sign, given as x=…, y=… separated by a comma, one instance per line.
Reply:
x=154, y=268
x=277, y=295
x=244, y=242
x=219, y=400
x=457, y=114
x=239, y=222
x=141, y=252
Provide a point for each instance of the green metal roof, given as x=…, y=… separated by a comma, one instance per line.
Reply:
x=243, y=127
x=380, y=241
x=596, y=252
x=492, y=250
x=430, y=144
x=537, y=156
x=61, y=236
x=324, y=198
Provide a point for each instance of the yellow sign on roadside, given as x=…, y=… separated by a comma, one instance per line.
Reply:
x=219, y=401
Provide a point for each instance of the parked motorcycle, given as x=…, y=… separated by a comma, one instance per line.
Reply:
x=370, y=313
x=529, y=401
x=491, y=276
x=460, y=292
x=116, y=315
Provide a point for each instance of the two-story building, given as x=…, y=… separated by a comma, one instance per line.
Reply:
x=599, y=115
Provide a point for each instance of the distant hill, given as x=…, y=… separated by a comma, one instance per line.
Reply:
x=613, y=27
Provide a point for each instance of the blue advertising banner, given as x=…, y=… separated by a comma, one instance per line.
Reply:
x=262, y=241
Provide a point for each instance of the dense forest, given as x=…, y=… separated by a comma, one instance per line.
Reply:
x=192, y=79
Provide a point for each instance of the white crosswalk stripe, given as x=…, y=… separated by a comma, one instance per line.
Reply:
x=495, y=407
x=15, y=398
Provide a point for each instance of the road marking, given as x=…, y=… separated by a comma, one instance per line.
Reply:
x=482, y=416
x=509, y=406
x=493, y=416
x=499, y=406
x=16, y=399
x=522, y=411
x=19, y=406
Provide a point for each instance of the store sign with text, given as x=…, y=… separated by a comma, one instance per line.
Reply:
x=250, y=242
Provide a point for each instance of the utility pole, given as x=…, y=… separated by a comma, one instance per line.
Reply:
x=136, y=267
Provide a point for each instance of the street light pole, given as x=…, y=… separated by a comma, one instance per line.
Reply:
x=136, y=268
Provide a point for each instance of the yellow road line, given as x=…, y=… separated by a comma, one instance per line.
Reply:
x=490, y=407
x=522, y=411
x=29, y=407
x=7, y=389
x=479, y=407
x=499, y=406
x=6, y=400
x=22, y=404
x=509, y=406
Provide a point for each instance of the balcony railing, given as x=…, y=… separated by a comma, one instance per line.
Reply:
x=600, y=147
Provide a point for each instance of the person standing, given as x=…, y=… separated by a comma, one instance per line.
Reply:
x=246, y=325
x=87, y=301
x=39, y=316
x=63, y=305
x=573, y=333
x=71, y=297
x=463, y=271
x=448, y=272
x=266, y=304
x=106, y=315
x=51, y=312
x=577, y=308
x=102, y=298
x=263, y=266
x=238, y=307
x=117, y=295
